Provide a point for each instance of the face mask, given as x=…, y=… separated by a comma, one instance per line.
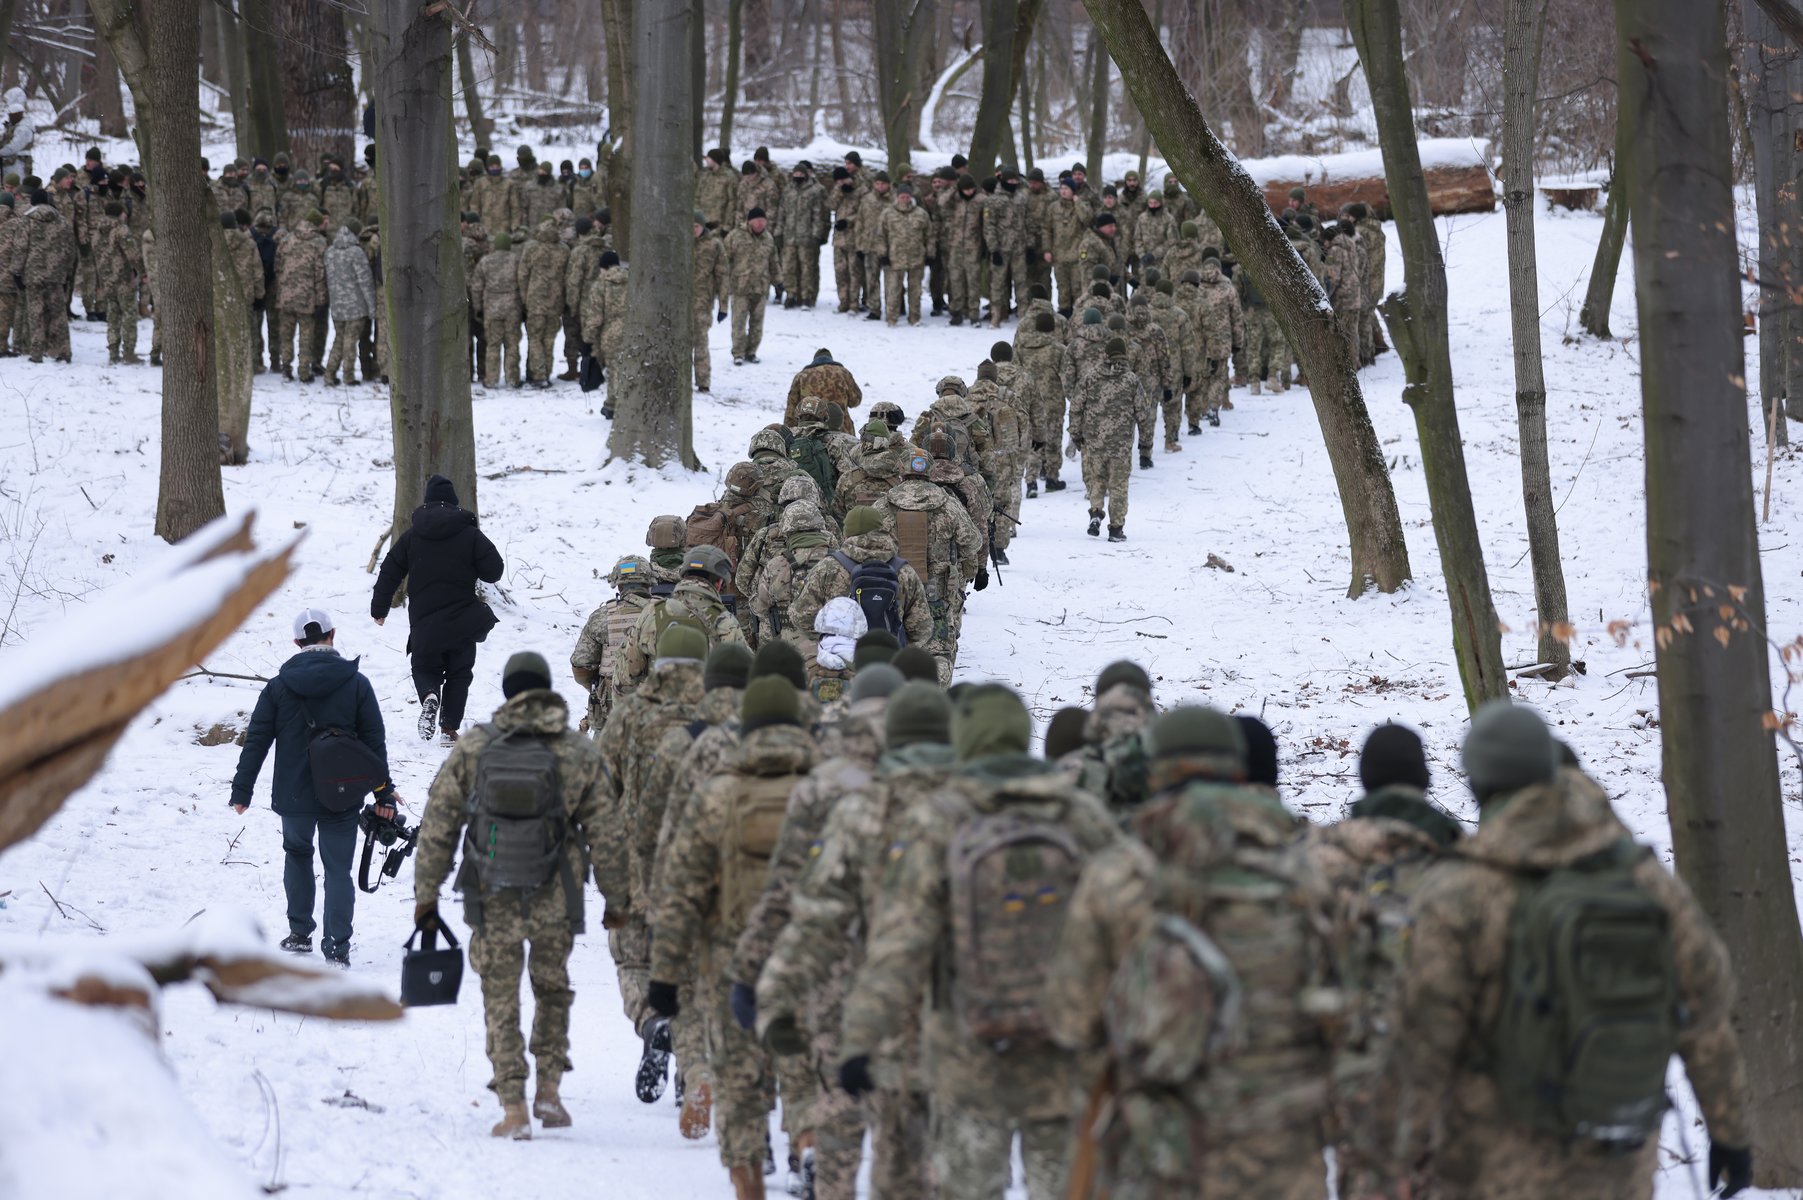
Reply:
x=585, y=172
x=494, y=172
x=281, y=172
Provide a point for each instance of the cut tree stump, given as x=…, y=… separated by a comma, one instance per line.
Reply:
x=1573, y=197
x=1450, y=190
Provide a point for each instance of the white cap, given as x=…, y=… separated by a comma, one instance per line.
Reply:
x=312, y=616
x=15, y=100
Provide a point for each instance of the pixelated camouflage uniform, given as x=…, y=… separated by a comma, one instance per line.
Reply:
x=1004, y=412
x=1447, y=1111
x=495, y=294
x=691, y=600
x=804, y=225
x=352, y=292
x=498, y=947
x=716, y=193
x=829, y=579
x=1106, y=407
x=118, y=268
x=337, y=199
x=47, y=258
x=868, y=230
x=1267, y=354
x=1214, y=309
x=597, y=648
x=1154, y=230
x=492, y=197
x=1005, y=234
x=544, y=262
x=604, y=312
x=954, y=555
x=981, y=1095
x=708, y=278
x=906, y=241
x=1186, y=345
x=1098, y=251
x=1067, y=222
x=1371, y=240
x=1041, y=359
x=1083, y=346
x=758, y=190
x=12, y=242
x=751, y=267
x=696, y=906
x=876, y=468
x=539, y=199
x=801, y=540
x=1159, y=366
x=848, y=262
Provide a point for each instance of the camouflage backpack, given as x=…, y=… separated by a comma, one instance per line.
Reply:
x=808, y=451
x=1589, y=1014
x=517, y=827
x=752, y=825
x=1174, y=1005
x=1011, y=872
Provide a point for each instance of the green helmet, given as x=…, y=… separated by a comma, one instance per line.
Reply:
x=710, y=561
x=631, y=573
x=769, y=439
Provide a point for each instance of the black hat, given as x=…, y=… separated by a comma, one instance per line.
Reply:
x=1116, y=348
x=1106, y=218
x=761, y=154
x=748, y=168
x=1261, y=750
x=966, y=183
x=756, y=214
x=605, y=215
x=609, y=259
x=727, y=665
x=1036, y=176
x=227, y=220
x=804, y=167
x=1393, y=754
x=959, y=162
x=718, y=154
x=986, y=370
x=841, y=173
x=1002, y=352
x=915, y=663
x=1044, y=323
x=440, y=490
x=583, y=225
x=852, y=156
x=880, y=177
x=1037, y=292
x=1065, y=733
x=1108, y=190
x=524, y=672
x=1123, y=671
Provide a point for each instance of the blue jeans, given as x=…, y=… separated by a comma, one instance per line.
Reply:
x=337, y=846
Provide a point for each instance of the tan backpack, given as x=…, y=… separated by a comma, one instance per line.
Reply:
x=752, y=826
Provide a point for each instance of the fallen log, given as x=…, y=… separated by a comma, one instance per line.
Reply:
x=1458, y=179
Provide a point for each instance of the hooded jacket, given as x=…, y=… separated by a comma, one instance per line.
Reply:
x=441, y=556
x=318, y=683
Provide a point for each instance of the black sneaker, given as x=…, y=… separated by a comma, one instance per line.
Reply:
x=654, y=1063
x=298, y=943
x=1214, y=418
x=1194, y=430
x=751, y=358
x=428, y=717
x=339, y=955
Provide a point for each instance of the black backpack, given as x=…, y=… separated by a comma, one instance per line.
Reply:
x=876, y=586
x=344, y=770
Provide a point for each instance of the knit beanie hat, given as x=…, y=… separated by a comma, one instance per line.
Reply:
x=1044, y=323
x=990, y=719
x=917, y=712
x=1065, y=733
x=876, y=680
x=1116, y=348
x=768, y=700
x=1261, y=750
x=1001, y=352
x=682, y=640
x=877, y=646
x=440, y=490
x=1393, y=754
x=861, y=520
x=728, y=665
x=1192, y=729
x=1509, y=748
x=525, y=671
x=781, y=659
x=986, y=370
x=915, y=663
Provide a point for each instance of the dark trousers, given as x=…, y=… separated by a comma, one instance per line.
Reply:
x=337, y=846
x=450, y=670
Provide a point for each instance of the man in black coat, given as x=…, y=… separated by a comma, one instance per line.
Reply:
x=441, y=556
x=317, y=688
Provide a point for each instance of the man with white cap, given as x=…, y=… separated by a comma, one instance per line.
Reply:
x=315, y=691
x=18, y=133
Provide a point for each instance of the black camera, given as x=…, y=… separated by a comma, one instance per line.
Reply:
x=394, y=834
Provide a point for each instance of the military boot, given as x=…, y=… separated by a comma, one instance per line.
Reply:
x=1214, y=418
x=1032, y=489
x=697, y=1111
x=1194, y=430
x=1117, y=533
x=514, y=1123
x=748, y=1182
x=1283, y=384
x=548, y=1107
x=1257, y=388
x=1055, y=485
x=1145, y=461
x=1095, y=524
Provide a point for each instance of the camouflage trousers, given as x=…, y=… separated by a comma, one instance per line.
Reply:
x=962, y=294
x=801, y=270
x=1267, y=357
x=701, y=319
x=501, y=356
x=1215, y=391
x=499, y=955
x=11, y=313
x=748, y=322
x=1008, y=469
x=1510, y=1164
x=900, y=1165
x=1346, y=324
x=572, y=339
x=630, y=948
x=346, y=336
x=972, y=1155
x=848, y=275
x=873, y=283
x=297, y=325
x=895, y=280
x=1105, y=476
x=266, y=325
x=1048, y=432
x=744, y=1085
x=1286, y=1164
x=691, y=1032
x=121, y=321
x=1369, y=335
x=541, y=344
x=46, y=320
x=87, y=281
x=1064, y=274
x=1173, y=419
x=1010, y=276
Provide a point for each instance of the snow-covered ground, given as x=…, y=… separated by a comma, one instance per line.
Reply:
x=152, y=841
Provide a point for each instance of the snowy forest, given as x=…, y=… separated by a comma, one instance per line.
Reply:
x=1455, y=602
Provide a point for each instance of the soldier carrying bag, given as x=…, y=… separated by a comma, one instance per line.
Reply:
x=344, y=770
x=515, y=839
x=429, y=975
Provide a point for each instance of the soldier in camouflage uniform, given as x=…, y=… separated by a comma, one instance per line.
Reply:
x=118, y=269
x=767, y=540
x=539, y=197
x=504, y=922
x=706, y=573
x=1109, y=763
x=866, y=540
x=295, y=201
x=1184, y=252
x=44, y=254
x=877, y=466
x=715, y=866
x=954, y=552
x=543, y=264
x=1450, y=1120
x=848, y=264
x=1002, y=1078
x=717, y=190
x=1083, y=347
x=751, y=265
x=493, y=199
x=12, y=236
x=961, y=246
x=475, y=246
x=351, y=290
x=1262, y=1106
x=247, y=264
x=495, y=295
x=906, y=239
x=667, y=698
x=1108, y=403
x=804, y=222
x=1154, y=230
x=337, y=197
x=836, y=901
x=827, y=379
x=710, y=283
x=1267, y=354
x=1040, y=353
x=1214, y=308
x=1158, y=364
x=801, y=540
x=301, y=290
x=867, y=229
x=755, y=189
x=1001, y=463
x=1100, y=247
x=598, y=645
x=586, y=246
x=1344, y=281
x=1187, y=348
x=604, y=309
x=1067, y=220
x=1371, y=282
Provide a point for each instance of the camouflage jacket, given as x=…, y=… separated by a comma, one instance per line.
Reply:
x=1069, y=221
x=831, y=381
x=1097, y=251
x=49, y=252
x=800, y=542
x=805, y=220
x=716, y=194
x=692, y=601
x=300, y=271
x=859, y=743
x=1183, y=254
x=837, y=898
x=1371, y=240
x=707, y=271
x=246, y=262
x=587, y=195
x=579, y=271
x=538, y=200
x=1343, y=275
x=337, y=200
x=1000, y=409
x=751, y=261
x=1107, y=406
x=1216, y=312
x=829, y=579
x=1453, y=986
x=685, y=756
x=842, y=205
x=759, y=190
x=867, y=227
x=871, y=475
x=292, y=205
x=954, y=543
x=690, y=915
x=579, y=775
x=349, y=283
x=668, y=698
x=119, y=259
x=495, y=291
x=597, y=647
x=261, y=194
x=1041, y=359
x=1004, y=223
x=1153, y=232
x=1180, y=336
x=604, y=309
x=1151, y=354
x=543, y=264
x=908, y=954
x=961, y=224
x=906, y=237
x=1083, y=351
x=492, y=197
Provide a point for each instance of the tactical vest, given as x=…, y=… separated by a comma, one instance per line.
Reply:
x=752, y=824
x=517, y=827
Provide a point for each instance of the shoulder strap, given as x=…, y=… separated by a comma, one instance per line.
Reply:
x=845, y=560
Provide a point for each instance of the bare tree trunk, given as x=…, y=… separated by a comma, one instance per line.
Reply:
x=1766, y=77
x=1373, y=527
x=697, y=82
x=617, y=17
x=1599, y=295
x=1098, y=105
x=1280, y=70
x=926, y=58
x=268, y=108
x=735, y=53
x=316, y=82
x=482, y=130
x=1704, y=574
x=901, y=28
x=108, y=104
x=422, y=253
x=848, y=125
x=1523, y=29
x=1417, y=320
x=212, y=53
x=8, y=61
x=237, y=80
x=166, y=33
x=507, y=47
x=652, y=377
x=532, y=49
x=756, y=55
x=999, y=17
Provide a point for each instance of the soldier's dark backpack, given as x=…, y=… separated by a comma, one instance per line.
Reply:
x=515, y=838
x=876, y=588
x=808, y=451
x=1589, y=1015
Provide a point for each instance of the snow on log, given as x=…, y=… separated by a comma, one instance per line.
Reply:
x=1458, y=178
x=67, y=696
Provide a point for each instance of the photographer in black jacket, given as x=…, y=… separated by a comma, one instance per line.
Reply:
x=441, y=557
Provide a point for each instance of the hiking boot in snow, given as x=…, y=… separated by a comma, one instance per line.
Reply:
x=1227, y=404
x=1055, y=485
x=751, y=358
x=1117, y=533
x=769, y=1154
x=738, y=362
x=156, y=360
x=678, y=1088
x=1283, y=385
x=801, y=1178
x=1214, y=418
x=654, y=1062
x=1000, y=556
x=298, y=943
x=1257, y=388
x=1095, y=527
x=1194, y=430
x=338, y=955
x=570, y=376
x=514, y=1123
x=1173, y=447
x=428, y=717
x=747, y=1183
x=1145, y=462
x=1032, y=489
x=130, y=360
x=548, y=1107
x=697, y=1112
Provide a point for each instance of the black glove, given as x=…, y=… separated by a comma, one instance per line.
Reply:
x=1186, y=383
x=744, y=1004
x=841, y=226
x=882, y=260
x=661, y=997
x=1167, y=393
x=785, y=1037
x=1731, y=1168
x=1148, y=259
x=854, y=1075
x=995, y=258
x=1038, y=446
x=982, y=578
x=720, y=316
